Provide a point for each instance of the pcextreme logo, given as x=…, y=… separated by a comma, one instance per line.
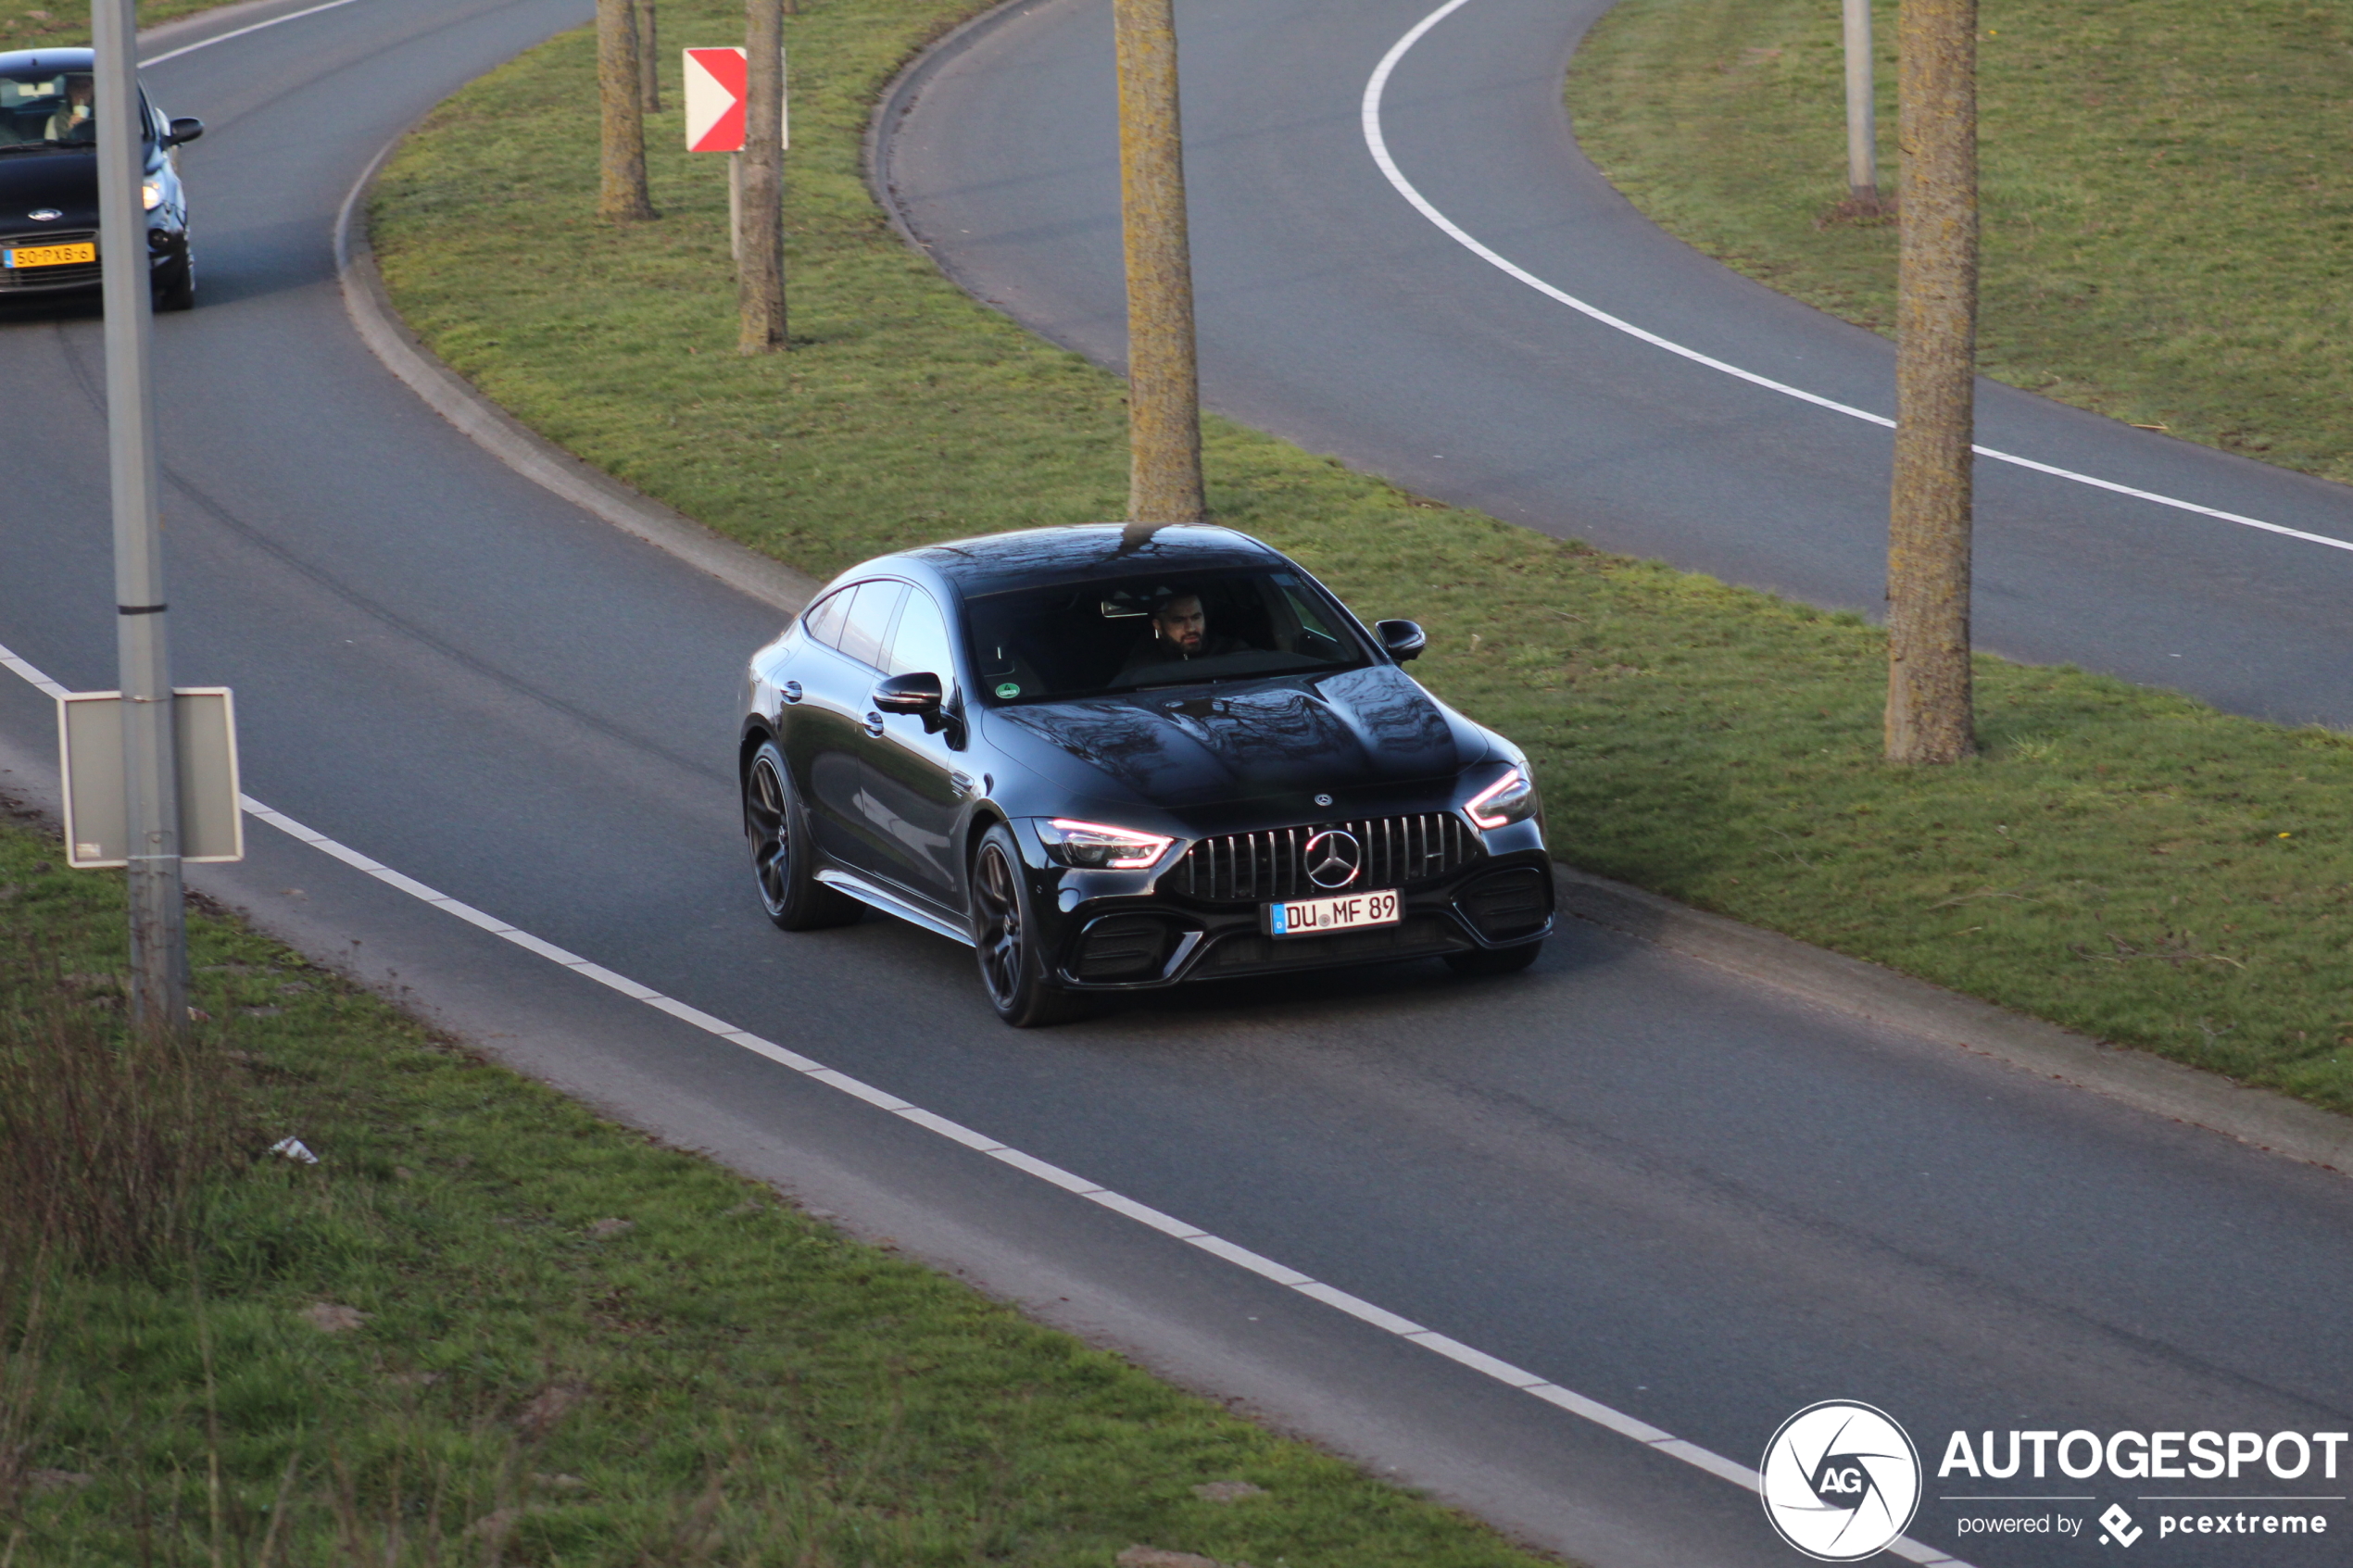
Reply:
x=1842, y=1481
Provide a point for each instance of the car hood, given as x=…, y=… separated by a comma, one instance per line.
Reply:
x=66, y=181
x=1185, y=746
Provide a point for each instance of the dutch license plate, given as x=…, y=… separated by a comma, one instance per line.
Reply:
x=1313, y=917
x=48, y=256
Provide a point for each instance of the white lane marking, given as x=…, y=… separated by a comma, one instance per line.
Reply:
x=1378, y=144
x=27, y=673
x=1144, y=1214
x=240, y=32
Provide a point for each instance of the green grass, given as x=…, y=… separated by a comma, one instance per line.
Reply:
x=603, y=1350
x=2167, y=209
x=2122, y=861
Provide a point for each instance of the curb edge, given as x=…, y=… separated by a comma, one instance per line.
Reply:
x=2261, y=1118
x=524, y=450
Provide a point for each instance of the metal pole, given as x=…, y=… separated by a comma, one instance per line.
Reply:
x=1862, y=130
x=735, y=207
x=158, y=929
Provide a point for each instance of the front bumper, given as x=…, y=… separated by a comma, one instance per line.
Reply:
x=166, y=251
x=1130, y=931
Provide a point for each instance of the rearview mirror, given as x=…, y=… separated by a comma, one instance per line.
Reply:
x=1403, y=639
x=915, y=692
x=183, y=129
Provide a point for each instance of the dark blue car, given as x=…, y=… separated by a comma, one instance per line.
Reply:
x=49, y=182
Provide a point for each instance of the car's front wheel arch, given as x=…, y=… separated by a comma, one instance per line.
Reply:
x=756, y=734
x=1009, y=939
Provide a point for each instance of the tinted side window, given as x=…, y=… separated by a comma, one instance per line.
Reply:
x=921, y=642
x=822, y=622
x=869, y=623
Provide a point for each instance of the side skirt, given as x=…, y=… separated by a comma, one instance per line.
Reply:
x=866, y=893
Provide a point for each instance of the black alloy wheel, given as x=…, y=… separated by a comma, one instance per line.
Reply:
x=775, y=829
x=1495, y=961
x=1011, y=966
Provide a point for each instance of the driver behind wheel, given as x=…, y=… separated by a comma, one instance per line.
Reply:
x=72, y=123
x=1180, y=633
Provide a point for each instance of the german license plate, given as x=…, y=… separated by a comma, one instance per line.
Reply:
x=48, y=256
x=1313, y=917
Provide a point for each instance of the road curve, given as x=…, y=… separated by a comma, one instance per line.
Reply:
x=1335, y=313
x=1674, y=1192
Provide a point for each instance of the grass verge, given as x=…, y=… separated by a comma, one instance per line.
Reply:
x=2122, y=860
x=2166, y=207
x=488, y=1327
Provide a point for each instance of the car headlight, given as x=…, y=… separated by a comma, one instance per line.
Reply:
x=1510, y=798
x=151, y=193
x=1094, y=847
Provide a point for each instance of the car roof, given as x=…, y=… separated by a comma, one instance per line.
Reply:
x=54, y=59
x=1089, y=552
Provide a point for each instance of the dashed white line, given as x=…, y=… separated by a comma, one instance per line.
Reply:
x=1266, y=1268
x=1376, y=142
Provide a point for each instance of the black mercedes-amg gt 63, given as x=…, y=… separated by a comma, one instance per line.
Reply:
x=1114, y=759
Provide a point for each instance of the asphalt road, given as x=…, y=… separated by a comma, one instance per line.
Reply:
x=1673, y=1192
x=1333, y=313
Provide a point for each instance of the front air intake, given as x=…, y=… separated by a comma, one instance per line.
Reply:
x=1123, y=947
x=1508, y=904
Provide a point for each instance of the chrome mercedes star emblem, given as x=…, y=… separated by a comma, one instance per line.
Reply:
x=1334, y=859
x=45, y=215
x=1323, y=800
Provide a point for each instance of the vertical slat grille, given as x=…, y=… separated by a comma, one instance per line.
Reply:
x=1261, y=867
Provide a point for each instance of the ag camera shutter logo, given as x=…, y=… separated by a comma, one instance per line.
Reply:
x=1842, y=1481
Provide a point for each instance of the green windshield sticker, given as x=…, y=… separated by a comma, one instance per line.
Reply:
x=1008, y=688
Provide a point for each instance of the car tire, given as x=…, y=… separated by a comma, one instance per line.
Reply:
x=1012, y=966
x=1495, y=961
x=776, y=831
x=177, y=291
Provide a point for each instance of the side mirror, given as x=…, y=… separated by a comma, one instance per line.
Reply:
x=1403, y=639
x=915, y=692
x=183, y=129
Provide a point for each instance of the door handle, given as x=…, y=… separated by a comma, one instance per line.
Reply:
x=874, y=725
x=791, y=690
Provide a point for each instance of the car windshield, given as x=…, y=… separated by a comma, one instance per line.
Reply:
x=1080, y=639
x=48, y=108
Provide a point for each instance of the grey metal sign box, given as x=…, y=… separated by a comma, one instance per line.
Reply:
x=212, y=827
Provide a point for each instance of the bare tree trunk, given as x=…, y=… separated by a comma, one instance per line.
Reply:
x=621, y=196
x=1929, y=700
x=759, y=272
x=1163, y=391
x=648, y=61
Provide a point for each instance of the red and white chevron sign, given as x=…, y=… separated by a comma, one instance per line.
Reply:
x=715, y=89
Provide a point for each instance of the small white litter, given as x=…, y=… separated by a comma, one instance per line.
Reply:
x=295, y=1150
